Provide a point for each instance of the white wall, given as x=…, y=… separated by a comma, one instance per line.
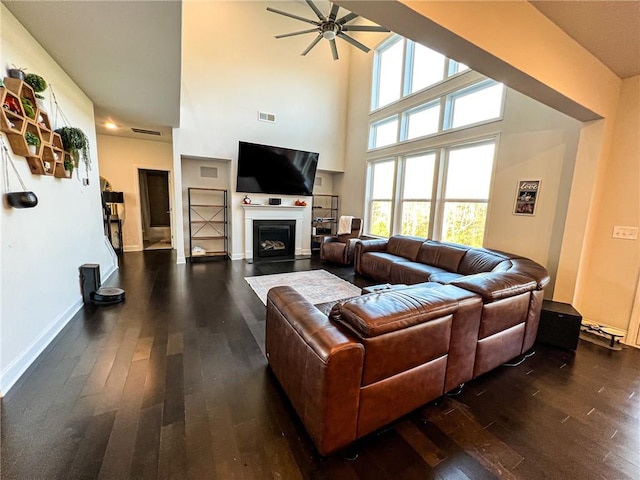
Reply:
x=43, y=247
x=232, y=67
x=120, y=160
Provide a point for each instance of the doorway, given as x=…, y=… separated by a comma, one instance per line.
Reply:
x=155, y=211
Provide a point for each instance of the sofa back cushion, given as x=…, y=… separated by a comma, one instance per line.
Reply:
x=480, y=260
x=441, y=255
x=404, y=246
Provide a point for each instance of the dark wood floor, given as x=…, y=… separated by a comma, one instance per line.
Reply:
x=173, y=383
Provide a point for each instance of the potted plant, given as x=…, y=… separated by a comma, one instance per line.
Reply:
x=76, y=143
x=68, y=166
x=28, y=108
x=33, y=142
x=16, y=72
x=38, y=84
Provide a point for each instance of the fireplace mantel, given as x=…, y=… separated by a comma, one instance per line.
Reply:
x=273, y=212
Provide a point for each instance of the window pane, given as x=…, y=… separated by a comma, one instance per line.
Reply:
x=415, y=218
x=423, y=122
x=456, y=67
x=428, y=68
x=380, y=218
x=389, y=74
x=418, y=177
x=469, y=172
x=384, y=133
x=464, y=222
x=476, y=106
x=382, y=180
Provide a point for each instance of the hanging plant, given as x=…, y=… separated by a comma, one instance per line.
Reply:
x=36, y=82
x=76, y=143
x=68, y=164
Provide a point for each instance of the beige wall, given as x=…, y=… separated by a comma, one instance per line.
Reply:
x=613, y=264
x=233, y=67
x=120, y=159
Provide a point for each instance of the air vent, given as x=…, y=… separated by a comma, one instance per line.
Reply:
x=146, y=132
x=319, y=181
x=209, y=172
x=267, y=117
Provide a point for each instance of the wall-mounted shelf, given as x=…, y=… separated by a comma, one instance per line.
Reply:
x=49, y=156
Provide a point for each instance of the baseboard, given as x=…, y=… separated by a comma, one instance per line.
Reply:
x=20, y=364
x=10, y=375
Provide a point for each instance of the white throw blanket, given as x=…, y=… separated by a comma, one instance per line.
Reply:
x=344, y=225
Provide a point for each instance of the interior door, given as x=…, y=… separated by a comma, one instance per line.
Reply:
x=155, y=208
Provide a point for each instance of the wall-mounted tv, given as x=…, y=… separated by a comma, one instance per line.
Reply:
x=275, y=170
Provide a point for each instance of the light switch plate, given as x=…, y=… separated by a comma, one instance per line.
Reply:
x=625, y=233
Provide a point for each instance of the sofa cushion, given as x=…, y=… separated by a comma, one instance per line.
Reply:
x=412, y=272
x=444, y=256
x=404, y=246
x=377, y=314
x=494, y=286
x=377, y=265
x=480, y=260
x=444, y=277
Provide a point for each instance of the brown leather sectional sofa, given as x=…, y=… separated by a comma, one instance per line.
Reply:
x=371, y=359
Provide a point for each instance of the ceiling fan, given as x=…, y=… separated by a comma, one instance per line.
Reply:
x=330, y=27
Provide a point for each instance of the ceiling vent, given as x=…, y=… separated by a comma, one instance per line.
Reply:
x=146, y=132
x=267, y=117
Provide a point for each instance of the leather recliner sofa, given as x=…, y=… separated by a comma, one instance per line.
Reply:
x=371, y=359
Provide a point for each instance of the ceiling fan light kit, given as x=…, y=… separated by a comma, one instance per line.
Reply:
x=329, y=27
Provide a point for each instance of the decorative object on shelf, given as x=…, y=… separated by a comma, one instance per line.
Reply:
x=23, y=199
x=300, y=203
x=39, y=85
x=29, y=109
x=330, y=27
x=246, y=200
x=33, y=142
x=68, y=166
x=16, y=72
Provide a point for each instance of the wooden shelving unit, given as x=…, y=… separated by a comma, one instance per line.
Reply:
x=324, y=218
x=208, y=223
x=14, y=121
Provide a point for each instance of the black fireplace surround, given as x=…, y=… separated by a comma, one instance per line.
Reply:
x=274, y=239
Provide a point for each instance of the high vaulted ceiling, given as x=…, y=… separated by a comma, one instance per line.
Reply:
x=125, y=55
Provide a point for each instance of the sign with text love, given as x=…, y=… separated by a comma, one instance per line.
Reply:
x=527, y=197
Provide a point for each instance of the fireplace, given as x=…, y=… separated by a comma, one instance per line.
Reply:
x=274, y=239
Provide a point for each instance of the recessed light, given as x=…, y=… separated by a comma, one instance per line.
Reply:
x=111, y=125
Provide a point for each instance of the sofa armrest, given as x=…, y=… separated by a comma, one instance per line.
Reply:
x=494, y=286
x=317, y=364
x=363, y=246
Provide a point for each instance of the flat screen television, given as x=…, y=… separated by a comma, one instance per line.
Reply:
x=275, y=170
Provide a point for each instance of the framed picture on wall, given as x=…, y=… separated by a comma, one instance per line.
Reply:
x=527, y=197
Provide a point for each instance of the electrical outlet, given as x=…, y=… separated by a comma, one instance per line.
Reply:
x=626, y=233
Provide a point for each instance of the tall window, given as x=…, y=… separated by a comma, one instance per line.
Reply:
x=440, y=191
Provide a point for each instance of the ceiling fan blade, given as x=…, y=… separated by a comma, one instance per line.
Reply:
x=354, y=42
x=291, y=15
x=312, y=44
x=334, y=12
x=284, y=35
x=364, y=28
x=334, y=49
x=347, y=18
x=315, y=9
